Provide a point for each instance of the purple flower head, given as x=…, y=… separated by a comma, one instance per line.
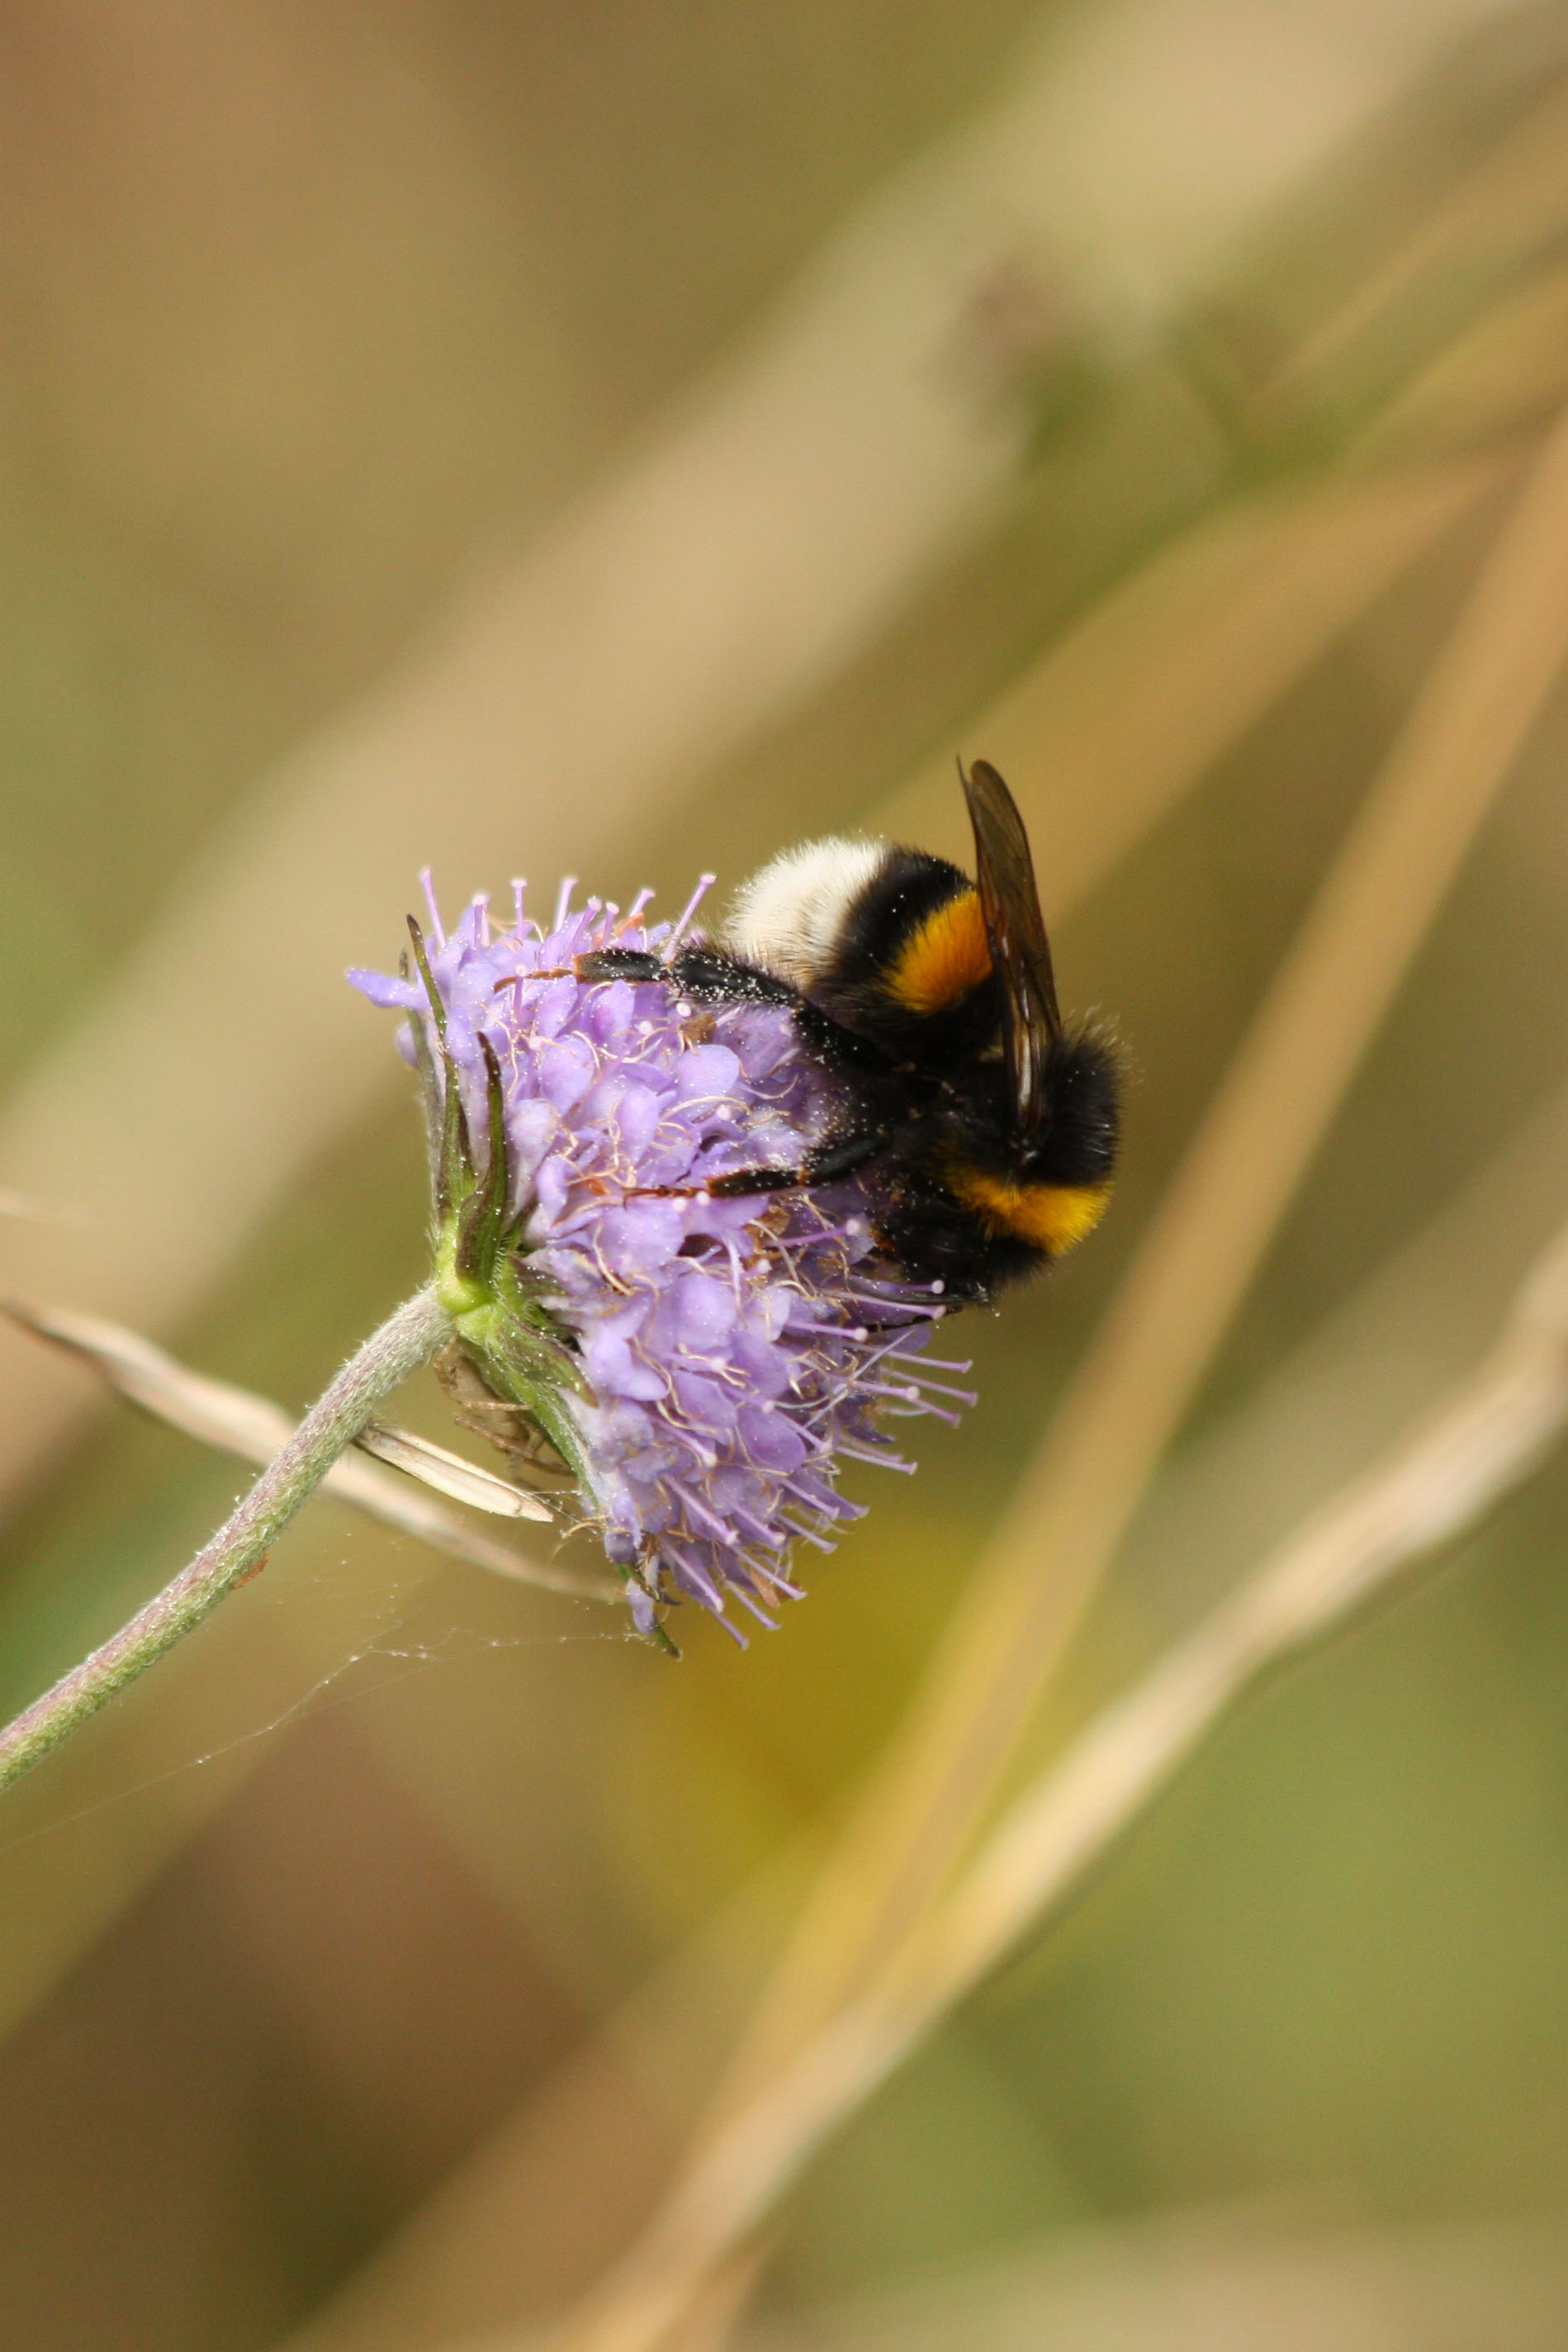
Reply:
x=702, y=1366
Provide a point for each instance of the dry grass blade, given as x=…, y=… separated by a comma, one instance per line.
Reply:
x=1482, y=1442
x=1217, y=1218
x=251, y=1427
x=1471, y=1450
x=1126, y=712
x=1076, y=1501
x=1503, y=213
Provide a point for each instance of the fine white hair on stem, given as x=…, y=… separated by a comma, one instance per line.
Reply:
x=410, y=1336
x=1482, y=1441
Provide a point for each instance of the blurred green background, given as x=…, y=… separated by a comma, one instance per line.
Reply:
x=623, y=440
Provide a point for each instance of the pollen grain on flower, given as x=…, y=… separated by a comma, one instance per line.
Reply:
x=730, y=1354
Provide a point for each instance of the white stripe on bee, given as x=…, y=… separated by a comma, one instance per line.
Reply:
x=790, y=917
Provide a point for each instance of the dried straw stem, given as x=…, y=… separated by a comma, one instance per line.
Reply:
x=927, y=1798
x=1486, y=1437
x=1216, y=1220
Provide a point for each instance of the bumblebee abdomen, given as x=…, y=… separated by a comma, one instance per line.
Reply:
x=1047, y=1217
x=944, y=956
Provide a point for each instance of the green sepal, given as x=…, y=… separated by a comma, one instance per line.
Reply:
x=657, y=1639
x=482, y=1230
x=482, y=1276
x=452, y=1160
x=511, y=1338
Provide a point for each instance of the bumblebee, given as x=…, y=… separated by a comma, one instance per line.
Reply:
x=982, y=1130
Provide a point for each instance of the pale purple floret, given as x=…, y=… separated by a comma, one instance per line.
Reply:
x=740, y=1349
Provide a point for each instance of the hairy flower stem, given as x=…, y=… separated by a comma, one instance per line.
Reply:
x=406, y=1340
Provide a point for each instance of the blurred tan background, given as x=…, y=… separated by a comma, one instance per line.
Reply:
x=533, y=438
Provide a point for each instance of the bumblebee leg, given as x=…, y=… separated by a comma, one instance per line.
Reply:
x=826, y=1165
x=600, y=963
x=704, y=973
x=619, y=963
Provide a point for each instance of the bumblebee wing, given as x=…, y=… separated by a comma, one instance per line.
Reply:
x=1015, y=928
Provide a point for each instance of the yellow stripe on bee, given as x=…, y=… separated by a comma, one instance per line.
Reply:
x=1050, y=1217
x=943, y=957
